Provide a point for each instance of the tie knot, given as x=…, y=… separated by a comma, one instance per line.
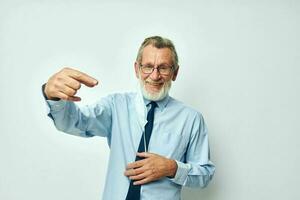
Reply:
x=153, y=104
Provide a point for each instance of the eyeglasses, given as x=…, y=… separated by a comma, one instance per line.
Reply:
x=163, y=69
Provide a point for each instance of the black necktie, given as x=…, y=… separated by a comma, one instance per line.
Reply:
x=135, y=190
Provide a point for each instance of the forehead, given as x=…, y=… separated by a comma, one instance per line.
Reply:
x=153, y=54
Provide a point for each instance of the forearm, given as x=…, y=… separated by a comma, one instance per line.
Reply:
x=68, y=118
x=194, y=175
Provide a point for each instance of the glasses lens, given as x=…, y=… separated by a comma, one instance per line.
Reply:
x=165, y=70
x=147, y=69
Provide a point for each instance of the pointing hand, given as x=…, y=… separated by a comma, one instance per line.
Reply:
x=65, y=83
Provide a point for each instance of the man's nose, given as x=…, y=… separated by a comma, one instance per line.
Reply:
x=155, y=75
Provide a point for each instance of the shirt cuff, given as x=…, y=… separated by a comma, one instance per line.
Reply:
x=56, y=106
x=181, y=173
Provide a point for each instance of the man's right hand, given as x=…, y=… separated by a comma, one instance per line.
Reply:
x=65, y=83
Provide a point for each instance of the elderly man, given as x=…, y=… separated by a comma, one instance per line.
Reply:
x=157, y=144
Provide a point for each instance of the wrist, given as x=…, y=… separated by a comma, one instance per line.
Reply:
x=172, y=168
x=45, y=94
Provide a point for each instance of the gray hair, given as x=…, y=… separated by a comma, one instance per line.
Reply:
x=159, y=42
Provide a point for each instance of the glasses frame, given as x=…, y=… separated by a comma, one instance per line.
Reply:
x=158, y=69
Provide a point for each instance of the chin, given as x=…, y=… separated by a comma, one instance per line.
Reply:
x=155, y=95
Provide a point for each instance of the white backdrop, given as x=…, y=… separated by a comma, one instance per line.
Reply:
x=239, y=66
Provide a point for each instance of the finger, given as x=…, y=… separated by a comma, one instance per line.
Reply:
x=135, y=164
x=72, y=83
x=143, y=181
x=67, y=90
x=139, y=176
x=63, y=96
x=74, y=98
x=144, y=154
x=133, y=172
x=83, y=78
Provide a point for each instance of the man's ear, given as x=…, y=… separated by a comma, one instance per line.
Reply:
x=175, y=74
x=136, y=69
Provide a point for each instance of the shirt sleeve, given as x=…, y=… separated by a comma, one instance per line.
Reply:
x=197, y=170
x=86, y=121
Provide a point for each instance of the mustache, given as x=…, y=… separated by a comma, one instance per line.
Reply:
x=154, y=82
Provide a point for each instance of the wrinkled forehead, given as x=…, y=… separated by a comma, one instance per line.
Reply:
x=155, y=55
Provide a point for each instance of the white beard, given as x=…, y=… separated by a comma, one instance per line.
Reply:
x=157, y=96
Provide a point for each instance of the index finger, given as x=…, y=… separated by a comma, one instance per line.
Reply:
x=83, y=78
x=144, y=154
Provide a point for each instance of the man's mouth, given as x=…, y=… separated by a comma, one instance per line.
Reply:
x=154, y=83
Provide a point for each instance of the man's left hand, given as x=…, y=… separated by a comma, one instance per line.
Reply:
x=151, y=168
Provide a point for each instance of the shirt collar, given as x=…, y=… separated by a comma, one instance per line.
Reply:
x=161, y=103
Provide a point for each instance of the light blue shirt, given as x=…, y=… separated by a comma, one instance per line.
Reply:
x=179, y=133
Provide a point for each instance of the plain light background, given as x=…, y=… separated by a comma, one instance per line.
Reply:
x=239, y=66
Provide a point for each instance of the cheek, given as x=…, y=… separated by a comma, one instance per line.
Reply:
x=144, y=77
x=166, y=79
